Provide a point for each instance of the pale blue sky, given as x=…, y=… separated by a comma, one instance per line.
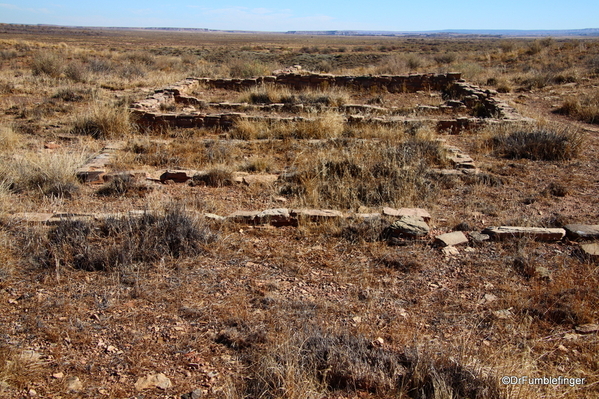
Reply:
x=270, y=15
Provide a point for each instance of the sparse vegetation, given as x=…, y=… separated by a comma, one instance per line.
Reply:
x=539, y=144
x=585, y=109
x=117, y=285
x=103, y=122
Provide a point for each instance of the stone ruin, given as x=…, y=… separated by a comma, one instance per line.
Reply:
x=467, y=107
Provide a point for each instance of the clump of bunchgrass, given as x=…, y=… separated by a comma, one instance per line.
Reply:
x=584, y=108
x=119, y=241
x=103, y=122
x=50, y=174
x=346, y=174
x=538, y=143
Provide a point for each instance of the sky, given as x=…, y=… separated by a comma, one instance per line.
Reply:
x=271, y=15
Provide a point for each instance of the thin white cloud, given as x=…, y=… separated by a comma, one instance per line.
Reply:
x=28, y=9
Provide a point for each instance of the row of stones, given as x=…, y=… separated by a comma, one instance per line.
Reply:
x=148, y=110
x=95, y=169
x=393, y=83
x=412, y=223
x=450, y=107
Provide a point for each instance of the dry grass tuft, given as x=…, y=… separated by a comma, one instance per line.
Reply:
x=103, y=122
x=18, y=369
x=320, y=126
x=539, y=143
x=119, y=242
x=51, y=174
x=312, y=363
x=348, y=174
x=584, y=108
x=9, y=139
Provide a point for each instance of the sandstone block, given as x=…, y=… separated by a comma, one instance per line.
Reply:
x=418, y=212
x=588, y=231
x=537, y=233
x=408, y=226
x=316, y=214
x=277, y=217
x=178, y=176
x=590, y=250
x=451, y=239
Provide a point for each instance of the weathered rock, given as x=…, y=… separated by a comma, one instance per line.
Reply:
x=247, y=217
x=178, y=176
x=586, y=231
x=213, y=216
x=417, y=212
x=590, y=250
x=153, y=381
x=451, y=239
x=408, y=226
x=537, y=233
x=74, y=384
x=277, y=217
x=478, y=237
x=316, y=214
x=31, y=217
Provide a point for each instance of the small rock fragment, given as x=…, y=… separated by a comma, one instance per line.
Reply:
x=451, y=239
x=153, y=381
x=74, y=384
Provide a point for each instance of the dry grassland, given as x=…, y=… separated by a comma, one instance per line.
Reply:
x=317, y=311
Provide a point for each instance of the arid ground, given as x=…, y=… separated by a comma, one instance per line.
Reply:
x=152, y=299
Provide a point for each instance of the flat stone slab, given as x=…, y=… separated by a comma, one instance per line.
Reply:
x=277, y=217
x=588, y=231
x=178, y=176
x=591, y=250
x=243, y=216
x=417, y=212
x=31, y=217
x=537, y=233
x=408, y=226
x=90, y=175
x=451, y=239
x=316, y=214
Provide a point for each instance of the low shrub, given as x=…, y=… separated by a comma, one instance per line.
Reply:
x=217, y=177
x=538, y=144
x=312, y=364
x=50, y=174
x=584, y=108
x=103, y=122
x=119, y=242
x=47, y=63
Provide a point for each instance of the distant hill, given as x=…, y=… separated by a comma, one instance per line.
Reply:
x=457, y=32
x=590, y=32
